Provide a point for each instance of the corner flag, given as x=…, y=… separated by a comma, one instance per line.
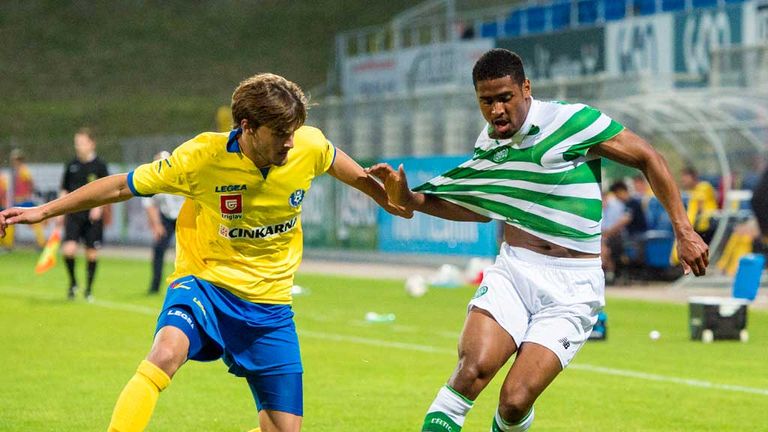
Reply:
x=48, y=257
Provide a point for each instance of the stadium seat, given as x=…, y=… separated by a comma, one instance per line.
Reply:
x=536, y=19
x=658, y=248
x=615, y=10
x=645, y=7
x=657, y=216
x=735, y=1
x=704, y=3
x=489, y=29
x=672, y=5
x=587, y=11
x=561, y=15
x=513, y=23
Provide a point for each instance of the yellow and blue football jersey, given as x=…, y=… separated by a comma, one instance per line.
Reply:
x=239, y=228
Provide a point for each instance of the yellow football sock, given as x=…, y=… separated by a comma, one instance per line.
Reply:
x=137, y=400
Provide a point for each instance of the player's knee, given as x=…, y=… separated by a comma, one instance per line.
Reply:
x=516, y=402
x=475, y=369
x=168, y=358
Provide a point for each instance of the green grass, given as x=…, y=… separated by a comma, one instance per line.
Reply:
x=62, y=364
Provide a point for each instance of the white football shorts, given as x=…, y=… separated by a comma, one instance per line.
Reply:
x=547, y=300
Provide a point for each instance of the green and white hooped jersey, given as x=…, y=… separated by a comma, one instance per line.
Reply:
x=541, y=180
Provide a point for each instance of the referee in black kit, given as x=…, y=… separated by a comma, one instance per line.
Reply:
x=88, y=225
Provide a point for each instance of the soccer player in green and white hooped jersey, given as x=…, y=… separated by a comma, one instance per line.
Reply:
x=536, y=167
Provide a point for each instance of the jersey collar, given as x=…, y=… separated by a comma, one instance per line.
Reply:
x=232, y=145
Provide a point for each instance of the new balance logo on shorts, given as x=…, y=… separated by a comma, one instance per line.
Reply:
x=565, y=342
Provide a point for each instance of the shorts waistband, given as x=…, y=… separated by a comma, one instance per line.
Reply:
x=531, y=257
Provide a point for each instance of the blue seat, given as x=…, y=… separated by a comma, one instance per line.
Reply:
x=704, y=3
x=672, y=5
x=561, y=15
x=587, y=12
x=489, y=29
x=645, y=7
x=615, y=10
x=658, y=248
x=657, y=217
x=537, y=19
x=513, y=24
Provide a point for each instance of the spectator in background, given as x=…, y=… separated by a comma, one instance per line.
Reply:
x=641, y=191
x=702, y=203
x=634, y=220
x=613, y=223
x=87, y=225
x=162, y=212
x=24, y=190
x=760, y=209
x=5, y=242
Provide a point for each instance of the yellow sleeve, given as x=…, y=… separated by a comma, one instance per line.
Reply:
x=170, y=175
x=326, y=149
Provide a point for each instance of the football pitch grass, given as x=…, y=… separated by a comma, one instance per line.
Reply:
x=62, y=363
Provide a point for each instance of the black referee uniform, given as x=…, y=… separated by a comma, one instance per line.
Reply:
x=77, y=226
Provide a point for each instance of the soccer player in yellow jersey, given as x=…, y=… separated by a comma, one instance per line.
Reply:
x=239, y=241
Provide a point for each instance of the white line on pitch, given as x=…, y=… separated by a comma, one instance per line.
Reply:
x=145, y=310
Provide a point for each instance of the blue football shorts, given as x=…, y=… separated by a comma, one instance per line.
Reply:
x=257, y=341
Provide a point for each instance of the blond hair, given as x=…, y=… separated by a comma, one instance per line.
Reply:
x=269, y=100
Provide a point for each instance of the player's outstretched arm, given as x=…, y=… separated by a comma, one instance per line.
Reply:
x=103, y=191
x=396, y=185
x=629, y=149
x=350, y=172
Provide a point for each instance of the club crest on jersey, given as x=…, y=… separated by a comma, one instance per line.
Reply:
x=500, y=155
x=231, y=206
x=296, y=197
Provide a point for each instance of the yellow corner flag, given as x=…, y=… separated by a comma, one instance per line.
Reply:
x=48, y=257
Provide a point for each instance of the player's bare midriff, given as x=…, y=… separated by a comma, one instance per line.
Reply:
x=516, y=237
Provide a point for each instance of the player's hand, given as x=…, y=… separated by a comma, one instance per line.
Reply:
x=395, y=183
x=95, y=214
x=19, y=215
x=693, y=253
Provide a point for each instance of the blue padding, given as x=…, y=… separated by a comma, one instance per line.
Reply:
x=704, y=3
